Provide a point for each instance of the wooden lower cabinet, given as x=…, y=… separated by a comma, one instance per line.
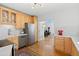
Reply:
x=65, y=45
x=14, y=40
x=59, y=44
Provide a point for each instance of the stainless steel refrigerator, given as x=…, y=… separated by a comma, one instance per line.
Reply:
x=30, y=30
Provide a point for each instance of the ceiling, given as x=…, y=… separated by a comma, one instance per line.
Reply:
x=47, y=9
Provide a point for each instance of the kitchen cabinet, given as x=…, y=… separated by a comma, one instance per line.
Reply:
x=19, y=41
x=65, y=45
x=68, y=45
x=23, y=41
x=12, y=17
x=27, y=17
x=7, y=16
x=31, y=19
x=14, y=40
x=59, y=44
x=19, y=20
x=22, y=20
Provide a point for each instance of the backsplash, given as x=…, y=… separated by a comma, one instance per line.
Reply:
x=6, y=30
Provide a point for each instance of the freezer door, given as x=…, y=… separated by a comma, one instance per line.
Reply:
x=31, y=29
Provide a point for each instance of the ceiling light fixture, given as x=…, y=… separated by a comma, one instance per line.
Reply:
x=36, y=5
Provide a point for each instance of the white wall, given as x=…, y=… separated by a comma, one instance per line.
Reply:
x=48, y=22
x=4, y=31
x=68, y=20
x=40, y=30
x=41, y=21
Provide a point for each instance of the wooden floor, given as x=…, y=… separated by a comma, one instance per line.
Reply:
x=43, y=48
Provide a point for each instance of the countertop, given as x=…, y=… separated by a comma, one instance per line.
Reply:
x=6, y=37
x=75, y=40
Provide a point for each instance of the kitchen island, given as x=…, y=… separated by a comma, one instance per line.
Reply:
x=67, y=44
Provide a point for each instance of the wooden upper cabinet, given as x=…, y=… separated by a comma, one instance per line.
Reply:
x=7, y=16
x=26, y=17
x=31, y=19
x=18, y=20
x=13, y=18
x=22, y=20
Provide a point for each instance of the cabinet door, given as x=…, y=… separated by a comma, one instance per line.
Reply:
x=59, y=43
x=19, y=20
x=31, y=19
x=14, y=40
x=13, y=18
x=68, y=45
x=5, y=16
x=26, y=18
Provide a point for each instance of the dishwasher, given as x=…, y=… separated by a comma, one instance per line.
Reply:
x=22, y=41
